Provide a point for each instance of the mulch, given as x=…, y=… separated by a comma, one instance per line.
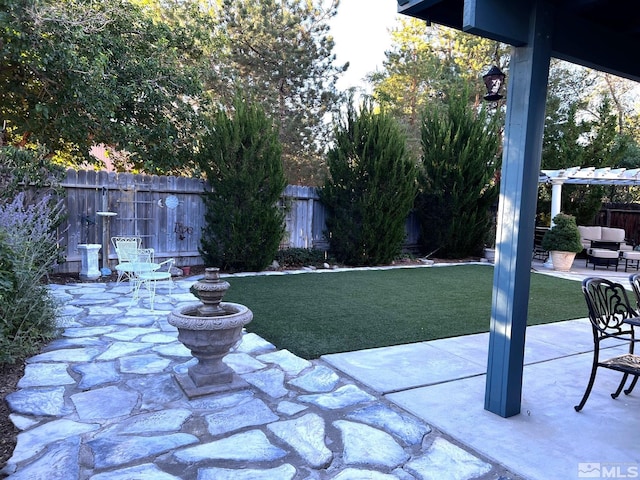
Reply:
x=10, y=375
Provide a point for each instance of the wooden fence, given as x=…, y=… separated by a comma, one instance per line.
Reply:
x=626, y=216
x=168, y=214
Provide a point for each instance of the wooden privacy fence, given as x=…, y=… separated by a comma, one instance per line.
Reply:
x=306, y=221
x=168, y=214
x=623, y=215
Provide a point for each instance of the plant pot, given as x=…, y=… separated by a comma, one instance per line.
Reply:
x=490, y=254
x=562, y=261
x=186, y=271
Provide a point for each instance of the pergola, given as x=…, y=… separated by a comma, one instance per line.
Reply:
x=601, y=34
x=586, y=176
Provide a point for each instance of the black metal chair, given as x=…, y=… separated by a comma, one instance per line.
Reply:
x=634, y=280
x=612, y=317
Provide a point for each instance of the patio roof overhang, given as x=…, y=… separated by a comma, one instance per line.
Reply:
x=601, y=34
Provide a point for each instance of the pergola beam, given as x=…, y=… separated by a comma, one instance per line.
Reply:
x=586, y=176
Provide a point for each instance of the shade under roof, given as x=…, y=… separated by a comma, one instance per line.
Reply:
x=601, y=34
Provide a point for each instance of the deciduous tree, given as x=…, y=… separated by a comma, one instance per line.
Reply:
x=582, y=130
x=78, y=73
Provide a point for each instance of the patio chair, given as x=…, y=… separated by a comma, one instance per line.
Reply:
x=634, y=280
x=611, y=315
x=126, y=249
x=130, y=256
x=150, y=278
x=141, y=261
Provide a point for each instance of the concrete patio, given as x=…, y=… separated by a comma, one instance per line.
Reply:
x=442, y=382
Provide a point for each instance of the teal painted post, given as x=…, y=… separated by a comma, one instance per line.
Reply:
x=528, y=76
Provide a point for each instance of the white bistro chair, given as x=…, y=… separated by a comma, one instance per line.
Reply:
x=150, y=278
x=126, y=249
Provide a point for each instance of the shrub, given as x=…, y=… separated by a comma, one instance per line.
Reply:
x=240, y=157
x=300, y=257
x=458, y=181
x=564, y=236
x=28, y=251
x=22, y=168
x=371, y=189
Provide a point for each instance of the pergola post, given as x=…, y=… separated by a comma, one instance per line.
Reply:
x=556, y=197
x=528, y=76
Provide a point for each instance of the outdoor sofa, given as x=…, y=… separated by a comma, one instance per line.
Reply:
x=605, y=246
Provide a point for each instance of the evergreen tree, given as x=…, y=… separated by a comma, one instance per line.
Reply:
x=410, y=74
x=458, y=179
x=240, y=157
x=371, y=189
x=424, y=62
x=281, y=53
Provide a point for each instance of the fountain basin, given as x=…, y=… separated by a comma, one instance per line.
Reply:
x=209, y=339
x=232, y=315
x=209, y=329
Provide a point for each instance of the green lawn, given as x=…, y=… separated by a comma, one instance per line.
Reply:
x=313, y=314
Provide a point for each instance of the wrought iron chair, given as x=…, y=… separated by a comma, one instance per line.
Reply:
x=150, y=278
x=142, y=261
x=612, y=316
x=634, y=280
x=126, y=249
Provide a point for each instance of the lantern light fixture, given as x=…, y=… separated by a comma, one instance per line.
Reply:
x=493, y=80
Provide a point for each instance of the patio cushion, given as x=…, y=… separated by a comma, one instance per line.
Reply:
x=631, y=255
x=612, y=235
x=603, y=253
x=602, y=234
x=590, y=233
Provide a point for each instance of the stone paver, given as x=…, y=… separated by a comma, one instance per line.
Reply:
x=102, y=403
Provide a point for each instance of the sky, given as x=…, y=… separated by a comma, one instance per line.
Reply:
x=360, y=31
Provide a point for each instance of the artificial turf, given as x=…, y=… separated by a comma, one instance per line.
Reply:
x=312, y=314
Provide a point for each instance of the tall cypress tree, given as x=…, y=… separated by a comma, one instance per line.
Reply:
x=371, y=189
x=240, y=156
x=458, y=178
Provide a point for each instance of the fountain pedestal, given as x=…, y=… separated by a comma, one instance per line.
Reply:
x=210, y=374
x=209, y=330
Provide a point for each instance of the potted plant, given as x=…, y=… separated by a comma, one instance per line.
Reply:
x=562, y=241
x=489, y=249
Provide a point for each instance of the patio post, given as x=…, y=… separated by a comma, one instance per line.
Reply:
x=528, y=76
x=556, y=197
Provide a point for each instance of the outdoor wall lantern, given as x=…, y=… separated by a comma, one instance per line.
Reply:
x=493, y=80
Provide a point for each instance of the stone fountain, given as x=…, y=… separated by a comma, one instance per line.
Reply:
x=209, y=329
